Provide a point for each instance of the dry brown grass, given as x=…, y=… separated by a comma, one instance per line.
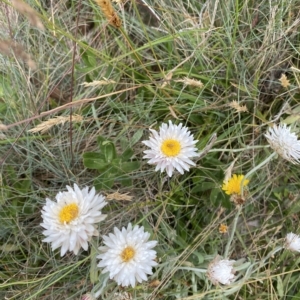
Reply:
x=59, y=120
x=24, y=9
x=109, y=13
x=7, y=47
x=9, y=18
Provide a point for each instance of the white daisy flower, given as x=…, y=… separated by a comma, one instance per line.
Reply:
x=284, y=142
x=127, y=255
x=171, y=148
x=292, y=242
x=221, y=271
x=70, y=221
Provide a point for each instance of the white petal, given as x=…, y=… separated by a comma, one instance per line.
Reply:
x=73, y=235
x=126, y=273
x=181, y=161
x=221, y=271
x=292, y=242
x=284, y=142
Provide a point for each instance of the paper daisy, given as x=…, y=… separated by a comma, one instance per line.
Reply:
x=233, y=185
x=171, y=148
x=284, y=142
x=221, y=271
x=70, y=221
x=127, y=255
x=292, y=242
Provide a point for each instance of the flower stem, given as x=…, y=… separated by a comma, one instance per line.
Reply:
x=263, y=260
x=255, y=169
x=240, y=149
x=232, y=231
x=100, y=287
x=240, y=207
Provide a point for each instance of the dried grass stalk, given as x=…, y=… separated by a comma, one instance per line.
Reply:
x=173, y=113
x=105, y=81
x=191, y=81
x=109, y=13
x=235, y=105
x=167, y=79
x=122, y=296
x=24, y=9
x=284, y=81
x=9, y=19
x=6, y=46
x=2, y=128
x=118, y=196
x=44, y=126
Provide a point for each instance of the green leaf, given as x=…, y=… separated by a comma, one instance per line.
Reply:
x=23, y=185
x=3, y=107
x=107, y=148
x=291, y=119
x=199, y=256
x=225, y=201
x=124, y=180
x=109, y=151
x=93, y=266
x=280, y=287
x=11, y=173
x=116, y=163
x=214, y=196
x=103, y=182
x=88, y=58
x=100, y=141
x=296, y=297
x=128, y=167
x=95, y=161
x=203, y=186
x=127, y=154
x=137, y=136
x=296, y=110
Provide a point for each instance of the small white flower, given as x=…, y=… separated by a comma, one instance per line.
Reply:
x=171, y=148
x=221, y=271
x=70, y=221
x=127, y=255
x=292, y=242
x=88, y=297
x=284, y=142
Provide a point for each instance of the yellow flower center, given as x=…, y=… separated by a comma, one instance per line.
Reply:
x=68, y=213
x=171, y=147
x=233, y=185
x=127, y=254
